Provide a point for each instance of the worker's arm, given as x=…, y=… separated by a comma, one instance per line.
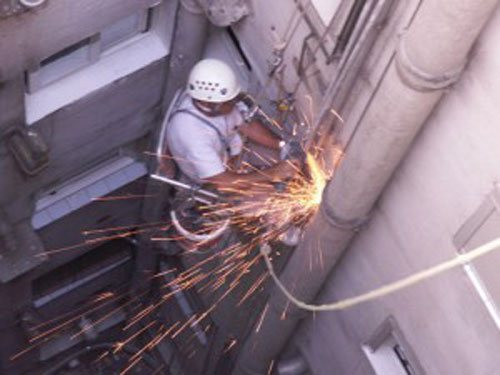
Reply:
x=231, y=180
x=258, y=133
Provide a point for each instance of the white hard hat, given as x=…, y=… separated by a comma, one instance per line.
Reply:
x=212, y=81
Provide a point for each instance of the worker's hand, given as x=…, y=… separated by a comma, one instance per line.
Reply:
x=292, y=150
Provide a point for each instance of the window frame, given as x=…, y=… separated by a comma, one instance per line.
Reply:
x=462, y=240
x=115, y=64
x=40, y=76
x=143, y=26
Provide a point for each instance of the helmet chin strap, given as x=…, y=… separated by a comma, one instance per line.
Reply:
x=207, y=109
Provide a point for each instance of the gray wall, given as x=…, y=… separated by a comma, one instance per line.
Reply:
x=114, y=120
x=445, y=177
x=274, y=25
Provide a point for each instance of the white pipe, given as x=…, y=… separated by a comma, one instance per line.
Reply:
x=175, y=221
x=187, y=45
x=161, y=148
x=430, y=58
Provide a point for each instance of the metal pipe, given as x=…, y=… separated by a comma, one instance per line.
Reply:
x=190, y=34
x=188, y=44
x=184, y=186
x=192, y=236
x=430, y=58
x=348, y=29
x=183, y=302
x=311, y=26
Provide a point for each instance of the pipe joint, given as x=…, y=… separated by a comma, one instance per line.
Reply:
x=417, y=79
x=353, y=225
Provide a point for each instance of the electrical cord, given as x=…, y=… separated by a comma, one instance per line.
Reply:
x=459, y=260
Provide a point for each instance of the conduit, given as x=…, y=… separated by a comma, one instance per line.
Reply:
x=190, y=33
x=431, y=55
x=188, y=44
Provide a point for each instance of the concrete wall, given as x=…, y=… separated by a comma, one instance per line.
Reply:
x=111, y=120
x=445, y=177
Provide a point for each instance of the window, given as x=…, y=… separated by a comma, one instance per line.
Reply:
x=86, y=51
x=75, y=194
x=123, y=29
x=61, y=64
x=483, y=226
x=120, y=49
x=389, y=353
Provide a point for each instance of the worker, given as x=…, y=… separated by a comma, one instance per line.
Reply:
x=205, y=130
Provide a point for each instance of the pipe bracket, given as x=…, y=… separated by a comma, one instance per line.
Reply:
x=414, y=77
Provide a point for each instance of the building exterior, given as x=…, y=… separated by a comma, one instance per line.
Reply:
x=84, y=87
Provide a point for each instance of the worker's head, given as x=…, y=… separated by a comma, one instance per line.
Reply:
x=213, y=86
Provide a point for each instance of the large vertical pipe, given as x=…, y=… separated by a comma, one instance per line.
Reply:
x=431, y=55
x=188, y=43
